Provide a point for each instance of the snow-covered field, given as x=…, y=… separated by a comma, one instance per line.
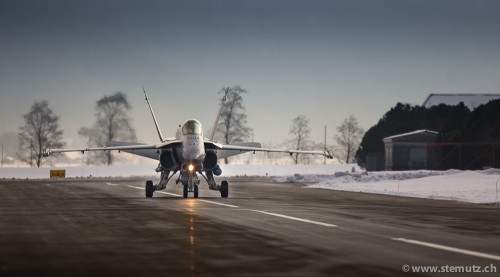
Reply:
x=467, y=186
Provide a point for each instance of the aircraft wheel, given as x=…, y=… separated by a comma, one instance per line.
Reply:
x=196, y=191
x=185, y=191
x=224, y=189
x=149, y=189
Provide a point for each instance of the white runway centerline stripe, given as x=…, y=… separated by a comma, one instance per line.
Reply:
x=217, y=203
x=451, y=249
x=135, y=187
x=173, y=194
x=296, y=219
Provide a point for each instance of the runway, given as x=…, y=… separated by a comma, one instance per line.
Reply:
x=109, y=228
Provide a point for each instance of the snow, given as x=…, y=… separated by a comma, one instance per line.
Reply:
x=465, y=186
x=457, y=185
x=285, y=170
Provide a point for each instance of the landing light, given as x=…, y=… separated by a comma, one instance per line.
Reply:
x=190, y=167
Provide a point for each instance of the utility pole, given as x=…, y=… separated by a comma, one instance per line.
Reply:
x=2, y=154
x=31, y=152
x=324, y=158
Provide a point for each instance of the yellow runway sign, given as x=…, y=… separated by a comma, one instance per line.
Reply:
x=57, y=174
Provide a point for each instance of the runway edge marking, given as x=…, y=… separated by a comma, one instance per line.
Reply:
x=449, y=248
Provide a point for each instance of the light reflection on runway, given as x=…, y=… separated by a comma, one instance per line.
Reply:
x=192, y=254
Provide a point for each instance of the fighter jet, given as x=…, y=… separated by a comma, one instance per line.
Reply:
x=189, y=153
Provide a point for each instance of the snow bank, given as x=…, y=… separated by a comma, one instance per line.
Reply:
x=467, y=186
x=286, y=170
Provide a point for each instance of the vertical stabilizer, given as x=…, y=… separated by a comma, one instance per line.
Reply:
x=218, y=115
x=154, y=117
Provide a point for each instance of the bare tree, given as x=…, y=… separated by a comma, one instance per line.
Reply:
x=40, y=132
x=348, y=138
x=300, y=132
x=112, y=123
x=232, y=125
x=271, y=157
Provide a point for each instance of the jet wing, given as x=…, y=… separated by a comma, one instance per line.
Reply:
x=242, y=149
x=223, y=153
x=144, y=150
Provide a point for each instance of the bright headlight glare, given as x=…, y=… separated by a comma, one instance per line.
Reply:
x=190, y=167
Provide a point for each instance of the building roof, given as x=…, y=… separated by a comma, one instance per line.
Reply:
x=412, y=133
x=472, y=101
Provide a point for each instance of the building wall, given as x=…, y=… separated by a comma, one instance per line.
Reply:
x=409, y=152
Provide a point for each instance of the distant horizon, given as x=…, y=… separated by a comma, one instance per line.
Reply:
x=74, y=159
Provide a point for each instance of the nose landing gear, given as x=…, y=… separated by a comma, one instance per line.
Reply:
x=190, y=184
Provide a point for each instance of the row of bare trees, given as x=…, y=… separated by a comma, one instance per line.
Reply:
x=348, y=137
x=41, y=130
x=233, y=129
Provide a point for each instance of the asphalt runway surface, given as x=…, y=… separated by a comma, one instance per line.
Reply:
x=109, y=228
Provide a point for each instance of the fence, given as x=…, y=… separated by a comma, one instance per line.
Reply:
x=465, y=156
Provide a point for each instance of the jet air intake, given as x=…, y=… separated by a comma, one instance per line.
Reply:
x=210, y=160
x=167, y=160
x=210, y=163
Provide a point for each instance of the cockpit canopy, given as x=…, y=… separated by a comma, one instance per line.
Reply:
x=192, y=127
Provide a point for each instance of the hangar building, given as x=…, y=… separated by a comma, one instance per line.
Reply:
x=409, y=151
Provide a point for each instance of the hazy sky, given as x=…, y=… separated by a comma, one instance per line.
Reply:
x=322, y=59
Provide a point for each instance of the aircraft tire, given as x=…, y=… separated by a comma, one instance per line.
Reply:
x=224, y=189
x=149, y=189
x=185, y=191
x=195, y=191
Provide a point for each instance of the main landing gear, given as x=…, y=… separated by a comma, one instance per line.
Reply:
x=149, y=188
x=224, y=189
x=165, y=177
x=224, y=185
x=190, y=183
